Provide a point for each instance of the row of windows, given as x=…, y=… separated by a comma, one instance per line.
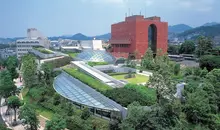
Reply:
x=24, y=49
x=29, y=42
x=24, y=45
x=120, y=45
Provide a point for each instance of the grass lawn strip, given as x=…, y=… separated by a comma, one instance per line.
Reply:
x=138, y=78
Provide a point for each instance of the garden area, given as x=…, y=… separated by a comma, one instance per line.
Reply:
x=42, y=98
x=133, y=93
x=72, y=54
x=136, y=79
x=43, y=50
x=88, y=80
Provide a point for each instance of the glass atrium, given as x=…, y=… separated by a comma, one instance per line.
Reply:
x=82, y=95
x=96, y=56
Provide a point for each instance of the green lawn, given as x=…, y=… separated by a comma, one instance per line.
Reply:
x=88, y=80
x=138, y=78
x=72, y=54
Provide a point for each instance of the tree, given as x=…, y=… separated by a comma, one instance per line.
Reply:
x=14, y=103
x=173, y=49
x=11, y=64
x=176, y=69
x=85, y=113
x=56, y=123
x=29, y=69
x=148, y=60
x=28, y=113
x=188, y=47
x=213, y=78
x=47, y=69
x=210, y=62
x=204, y=44
x=196, y=107
x=7, y=86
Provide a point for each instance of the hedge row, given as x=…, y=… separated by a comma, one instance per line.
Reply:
x=130, y=94
x=57, y=63
x=86, y=79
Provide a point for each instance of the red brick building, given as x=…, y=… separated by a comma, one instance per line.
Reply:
x=130, y=37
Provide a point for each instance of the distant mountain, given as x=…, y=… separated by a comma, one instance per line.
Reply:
x=179, y=28
x=104, y=36
x=80, y=36
x=8, y=40
x=209, y=31
x=210, y=24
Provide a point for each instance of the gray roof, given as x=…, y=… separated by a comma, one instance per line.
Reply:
x=76, y=91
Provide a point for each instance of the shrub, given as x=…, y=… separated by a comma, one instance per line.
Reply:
x=94, y=83
x=176, y=69
x=131, y=93
x=60, y=62
x=85, y=114
x=209, y=62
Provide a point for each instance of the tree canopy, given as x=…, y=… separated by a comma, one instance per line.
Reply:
x=188, y=47
x=29, y=69
x=7, y=86
x=56, y=123
x=28, y=113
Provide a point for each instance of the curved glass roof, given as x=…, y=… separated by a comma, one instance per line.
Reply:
x=76, y=91
x=96, y=56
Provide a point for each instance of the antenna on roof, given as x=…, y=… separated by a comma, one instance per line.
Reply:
x=125, y=14
x=129, y=11
x=145, y=12
x=140, y=12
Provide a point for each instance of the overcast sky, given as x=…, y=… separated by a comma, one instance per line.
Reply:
x=94, y=17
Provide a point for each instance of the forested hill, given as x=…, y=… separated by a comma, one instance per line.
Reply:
x=209, y=31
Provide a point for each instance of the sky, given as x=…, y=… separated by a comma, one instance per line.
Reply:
x=94, y=17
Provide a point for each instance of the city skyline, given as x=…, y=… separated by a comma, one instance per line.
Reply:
x=94, y=17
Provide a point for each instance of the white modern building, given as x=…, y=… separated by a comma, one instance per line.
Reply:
x=83, y=45
x=34, y=38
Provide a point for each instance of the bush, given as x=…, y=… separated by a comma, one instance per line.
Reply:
x=85, y=113
x=209, y=62
x=131, y=93
x=176, y=69
x=94, y=83
x=60, y=62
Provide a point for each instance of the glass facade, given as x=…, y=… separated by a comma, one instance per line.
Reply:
x=96, y=56
x=80, y=93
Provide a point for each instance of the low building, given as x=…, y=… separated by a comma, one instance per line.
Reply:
x=77, y=46
x=34, y=38
x=5, y=53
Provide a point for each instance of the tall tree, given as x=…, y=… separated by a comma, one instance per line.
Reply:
x=56, y=123
x=47, y=69
x=188, y=47
x=148, y=60
x=7, y=86
x=14, y=103
x=12, y=64
x=28, y=113
x=204, y=44
x=29, y=69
